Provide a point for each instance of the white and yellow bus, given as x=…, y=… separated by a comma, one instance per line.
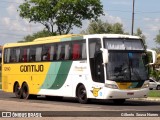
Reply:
x=99, y=66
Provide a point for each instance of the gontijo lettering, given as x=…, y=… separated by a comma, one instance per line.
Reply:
x=31, y=68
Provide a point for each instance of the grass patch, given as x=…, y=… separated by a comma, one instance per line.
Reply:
x=154, y=93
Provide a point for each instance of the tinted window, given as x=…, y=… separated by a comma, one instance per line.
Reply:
x=14, y=55
x=35, y=53
x=78, y=50
x=7, y=55
x=70, y=50
x=24, y=54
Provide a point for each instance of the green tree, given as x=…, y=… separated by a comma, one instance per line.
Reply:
x=39, y=34
x=64, y=14
x=157, y=39
x=140, y=34
x=100, y=27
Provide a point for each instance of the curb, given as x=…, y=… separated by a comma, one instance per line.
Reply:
x=147, y=99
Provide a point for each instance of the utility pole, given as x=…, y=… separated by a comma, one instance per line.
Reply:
x=133, y=18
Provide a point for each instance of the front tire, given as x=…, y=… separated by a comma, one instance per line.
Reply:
x=82, y=94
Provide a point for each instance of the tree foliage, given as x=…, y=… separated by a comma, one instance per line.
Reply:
x=40, y=34
x=99, y=27
x=64, y=14
x=140, y=34
x=157, y=39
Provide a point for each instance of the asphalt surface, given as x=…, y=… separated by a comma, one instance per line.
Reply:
x=135, y=106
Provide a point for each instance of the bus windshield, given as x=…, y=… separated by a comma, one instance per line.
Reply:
x=127, y=65
x=127, y=59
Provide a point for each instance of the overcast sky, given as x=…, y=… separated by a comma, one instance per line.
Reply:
x=147, y=17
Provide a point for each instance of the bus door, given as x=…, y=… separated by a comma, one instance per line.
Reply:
x=96, y=60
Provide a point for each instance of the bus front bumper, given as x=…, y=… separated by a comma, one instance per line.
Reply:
x=125, y=94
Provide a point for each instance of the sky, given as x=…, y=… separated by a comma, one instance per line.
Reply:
x=147, y=17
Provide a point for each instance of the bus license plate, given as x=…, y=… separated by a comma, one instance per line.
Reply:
x=130, y=93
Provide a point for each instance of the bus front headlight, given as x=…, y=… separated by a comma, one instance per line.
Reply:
x=113, y=86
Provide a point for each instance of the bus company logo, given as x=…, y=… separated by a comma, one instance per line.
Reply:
x=78, y=68
x=7, y=68
x=95, y=91
x=31, y=68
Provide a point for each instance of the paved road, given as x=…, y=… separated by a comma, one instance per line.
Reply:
x=8, y=102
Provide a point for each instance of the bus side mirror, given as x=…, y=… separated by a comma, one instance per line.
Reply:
x=105, y=55
x=154, y=56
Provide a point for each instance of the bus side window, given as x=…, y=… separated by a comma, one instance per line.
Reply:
x=17, y=54
x=51, y=52
x=14, y=56
x=55, y=52
x=32, y=54
x=7, y=55
x=84, y=54
x=46, y=52
x=60, y=52
x=23, y=54
x=38, y=53
x=76, y=51
x=67, y=51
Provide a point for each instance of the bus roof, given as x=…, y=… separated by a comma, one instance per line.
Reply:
x=112, y=36
x=69, y=37
x=57, y=37
x=44, y=40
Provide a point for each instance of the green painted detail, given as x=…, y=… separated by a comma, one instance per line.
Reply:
x=51, y=75
x=58, y=71
x=72, y=38
x=140, y=84
x=62, y=75
x=133, y=85
x=136, y=84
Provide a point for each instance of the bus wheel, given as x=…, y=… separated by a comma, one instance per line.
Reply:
x=118, y=101
x=82, y=94
x=25, y=91
x=17, y=90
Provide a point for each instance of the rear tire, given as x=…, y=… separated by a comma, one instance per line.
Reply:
x=25, y=91
x=17, y=90
x=82, y=94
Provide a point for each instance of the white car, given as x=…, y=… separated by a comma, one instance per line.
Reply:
x=154, y=85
